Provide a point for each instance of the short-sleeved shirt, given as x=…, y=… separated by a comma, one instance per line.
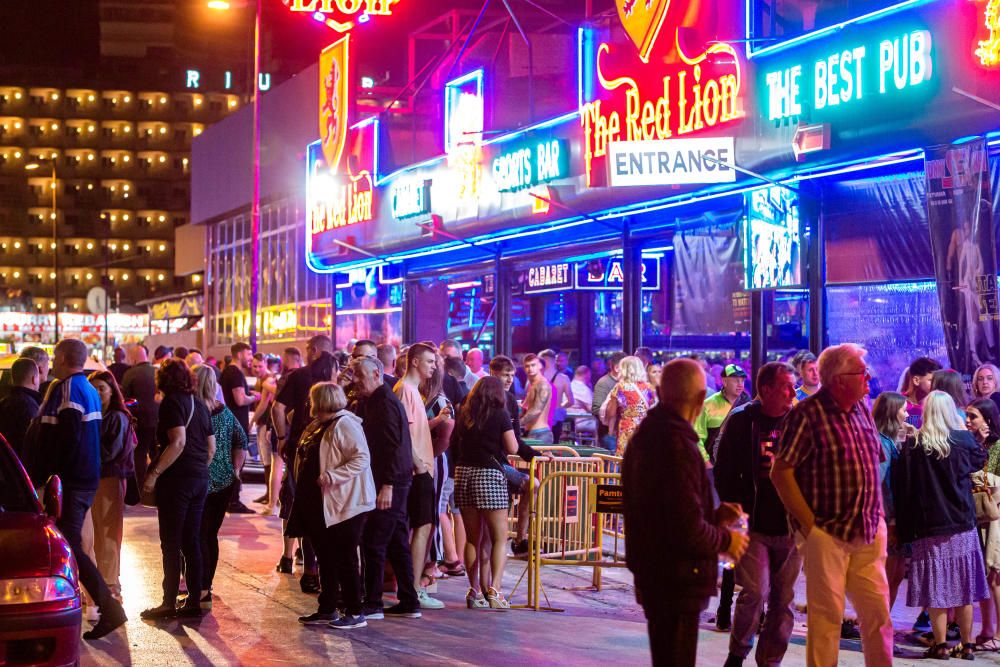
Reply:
x=294, y=395
x=836, y=456
x=420, y=430
x=175, y=408
x=232, y=379
x=228, y=436
x=482, y=445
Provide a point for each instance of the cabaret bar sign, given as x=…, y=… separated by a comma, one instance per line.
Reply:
x=548, y=278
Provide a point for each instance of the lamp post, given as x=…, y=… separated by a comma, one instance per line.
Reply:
x=37, y=164
x=223, y=5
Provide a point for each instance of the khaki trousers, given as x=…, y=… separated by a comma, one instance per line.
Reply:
x=833, y=569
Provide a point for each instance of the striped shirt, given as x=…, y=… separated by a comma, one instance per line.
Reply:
x=836, y=456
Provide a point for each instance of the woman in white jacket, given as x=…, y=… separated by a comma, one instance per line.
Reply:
x=334, y=490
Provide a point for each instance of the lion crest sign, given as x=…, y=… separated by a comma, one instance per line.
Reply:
x=642, y=20
x=334, y=95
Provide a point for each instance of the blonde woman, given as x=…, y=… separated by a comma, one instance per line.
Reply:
x=334, y=492
x=629, y=401
x=935, y=513
x=984, y=381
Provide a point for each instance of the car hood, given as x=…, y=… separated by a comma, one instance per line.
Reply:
x=31, y=546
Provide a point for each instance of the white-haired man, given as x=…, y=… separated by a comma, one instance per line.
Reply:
x=826, y=472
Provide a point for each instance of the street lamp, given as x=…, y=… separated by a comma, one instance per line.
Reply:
x=37, y=164
x=223, y=5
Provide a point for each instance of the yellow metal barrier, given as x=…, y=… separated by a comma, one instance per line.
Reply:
x=566, y=528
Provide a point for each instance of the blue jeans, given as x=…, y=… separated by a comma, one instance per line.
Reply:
x=768, y=570
x=609, y=442
x=543, y=435
x=70, y=523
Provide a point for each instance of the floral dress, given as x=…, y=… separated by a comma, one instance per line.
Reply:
x=634, y=401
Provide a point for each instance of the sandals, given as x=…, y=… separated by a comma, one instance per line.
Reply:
x=454, y=568
x=496, y=599
x=964, y=651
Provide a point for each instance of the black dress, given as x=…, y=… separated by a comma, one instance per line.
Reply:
x=306, y=517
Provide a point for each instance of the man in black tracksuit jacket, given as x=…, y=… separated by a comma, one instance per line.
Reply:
x=768, y=570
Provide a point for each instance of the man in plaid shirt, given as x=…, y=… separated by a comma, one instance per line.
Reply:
x=826, y=472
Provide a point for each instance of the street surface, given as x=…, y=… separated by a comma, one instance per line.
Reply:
x=253, y=621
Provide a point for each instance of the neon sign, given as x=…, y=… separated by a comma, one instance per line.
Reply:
x=548, y=278
x=337, y=14
x=464, y=122
x=664, y=98
x=846, y=75
x=988, y=50
x=529, y=165
x=411, y=198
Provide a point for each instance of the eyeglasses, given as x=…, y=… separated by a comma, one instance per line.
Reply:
x=867, y=373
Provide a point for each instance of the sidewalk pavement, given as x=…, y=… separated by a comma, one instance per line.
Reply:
x=253, y=620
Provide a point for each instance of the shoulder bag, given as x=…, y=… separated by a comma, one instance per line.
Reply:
x=148, y=498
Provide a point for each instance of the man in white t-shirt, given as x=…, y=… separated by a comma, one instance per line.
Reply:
x=474, y=362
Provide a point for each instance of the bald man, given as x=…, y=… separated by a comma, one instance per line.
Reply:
x=675, y=534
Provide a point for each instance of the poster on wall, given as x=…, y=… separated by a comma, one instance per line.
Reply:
x=708, y=271
x=774, y=244
x=960, y=220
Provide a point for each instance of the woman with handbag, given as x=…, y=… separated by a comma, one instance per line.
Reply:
x=231, y=448
x=106, y=515
x=935, y=512
x=982, y=419
x=629, y=401
x=334, y=492
x=483, y=437
x=179, y=478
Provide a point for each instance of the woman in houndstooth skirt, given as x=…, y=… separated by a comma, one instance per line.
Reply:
x=482, y=440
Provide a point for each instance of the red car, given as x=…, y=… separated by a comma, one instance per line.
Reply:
x=40, y=607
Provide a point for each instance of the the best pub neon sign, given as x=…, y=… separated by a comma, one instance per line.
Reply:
x=637, y=97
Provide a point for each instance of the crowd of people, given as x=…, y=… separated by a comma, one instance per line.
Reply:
x=854, y=492
x=377, y=456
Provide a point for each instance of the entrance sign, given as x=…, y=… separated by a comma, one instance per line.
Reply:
x=672, y=162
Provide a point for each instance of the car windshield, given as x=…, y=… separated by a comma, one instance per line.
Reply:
x=15, y=492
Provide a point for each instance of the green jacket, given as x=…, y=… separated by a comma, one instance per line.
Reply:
x=713, y=412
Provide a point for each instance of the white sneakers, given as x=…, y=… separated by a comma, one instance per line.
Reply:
x=426, y=601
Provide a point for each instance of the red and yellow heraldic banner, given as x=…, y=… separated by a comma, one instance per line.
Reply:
x=340, y=166
x=666, y=70
x=334, y=95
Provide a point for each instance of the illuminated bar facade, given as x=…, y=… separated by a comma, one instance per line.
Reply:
x=731, y=185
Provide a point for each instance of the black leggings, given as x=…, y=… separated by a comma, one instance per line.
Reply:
x=337, y=552
x=180, y=502
x=211, y=522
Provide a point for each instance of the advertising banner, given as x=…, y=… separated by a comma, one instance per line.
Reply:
x=960, y=220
